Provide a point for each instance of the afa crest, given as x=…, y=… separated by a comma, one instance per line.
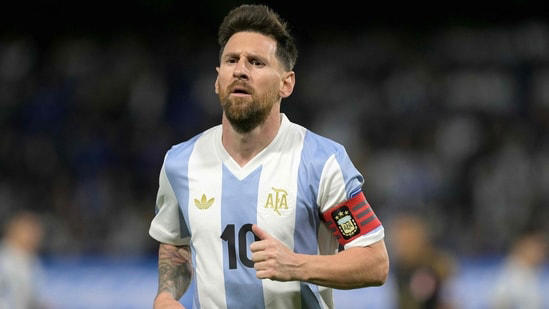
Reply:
x=345, y=222
x=277, y=200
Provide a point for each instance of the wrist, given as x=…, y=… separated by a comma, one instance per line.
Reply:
x=302, y=273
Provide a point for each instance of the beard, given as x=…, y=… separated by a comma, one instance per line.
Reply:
x=246, y=113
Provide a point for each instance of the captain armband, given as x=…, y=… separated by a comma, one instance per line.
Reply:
x=351, y=219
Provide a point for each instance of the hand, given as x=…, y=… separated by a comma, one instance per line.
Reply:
x=272, y=259
x=166, y=301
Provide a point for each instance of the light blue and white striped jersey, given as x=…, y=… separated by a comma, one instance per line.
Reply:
x=207, y=200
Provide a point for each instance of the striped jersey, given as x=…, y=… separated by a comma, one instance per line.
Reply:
x=290, y=189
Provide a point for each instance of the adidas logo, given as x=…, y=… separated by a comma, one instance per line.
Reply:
x=204, y=203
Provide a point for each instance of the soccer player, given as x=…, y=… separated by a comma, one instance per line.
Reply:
x=259, y=197
x=20, y=270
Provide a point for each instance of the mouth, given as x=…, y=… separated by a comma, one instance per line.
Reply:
x=240, y=91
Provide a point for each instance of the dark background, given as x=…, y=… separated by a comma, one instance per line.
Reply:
x=441, y=106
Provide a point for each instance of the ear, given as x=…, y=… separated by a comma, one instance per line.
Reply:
x=216, y=84
x=287, y=85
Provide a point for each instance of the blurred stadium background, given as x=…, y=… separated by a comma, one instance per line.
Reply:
x=444, y=110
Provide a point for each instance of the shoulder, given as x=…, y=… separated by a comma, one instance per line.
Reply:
x=320, y=147
x=315, y=140
x=181, y=150
x=313, y=144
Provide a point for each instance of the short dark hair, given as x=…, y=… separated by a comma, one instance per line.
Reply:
x=261, y=19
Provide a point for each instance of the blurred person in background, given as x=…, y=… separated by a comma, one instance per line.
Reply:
x=20, y=270
x=421, y=270
x=249, y=196
x=518, y=284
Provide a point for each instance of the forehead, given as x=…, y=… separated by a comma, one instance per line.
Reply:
x=251, y=43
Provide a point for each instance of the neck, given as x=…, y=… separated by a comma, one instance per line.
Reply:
x=242, y=147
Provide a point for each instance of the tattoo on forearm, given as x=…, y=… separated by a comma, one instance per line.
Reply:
x=174, y=269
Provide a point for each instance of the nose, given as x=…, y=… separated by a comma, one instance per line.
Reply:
x=241, y=70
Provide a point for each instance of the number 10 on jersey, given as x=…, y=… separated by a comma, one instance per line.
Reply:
x=229, y=236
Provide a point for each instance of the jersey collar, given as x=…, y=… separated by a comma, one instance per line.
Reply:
x=242, y=172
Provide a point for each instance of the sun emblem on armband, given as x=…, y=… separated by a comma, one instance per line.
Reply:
x=345, y=222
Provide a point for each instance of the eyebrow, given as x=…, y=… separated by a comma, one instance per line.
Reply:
x=248, y=55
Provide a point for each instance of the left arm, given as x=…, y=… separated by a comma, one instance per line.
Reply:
x=349, y=269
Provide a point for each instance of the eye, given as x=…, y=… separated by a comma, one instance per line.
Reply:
x=256, y=62
x=231, y=60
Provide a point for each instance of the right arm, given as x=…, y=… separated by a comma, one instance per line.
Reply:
x=174, y=275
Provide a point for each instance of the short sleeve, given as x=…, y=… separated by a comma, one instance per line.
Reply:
x=343, y=205
x=339, y=181
x=168, y=225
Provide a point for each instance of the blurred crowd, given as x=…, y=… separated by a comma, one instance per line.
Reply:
x=450, y=124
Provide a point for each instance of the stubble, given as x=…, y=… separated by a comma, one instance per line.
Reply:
x=246, y=113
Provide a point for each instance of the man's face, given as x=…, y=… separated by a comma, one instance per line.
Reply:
x=249, y=79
